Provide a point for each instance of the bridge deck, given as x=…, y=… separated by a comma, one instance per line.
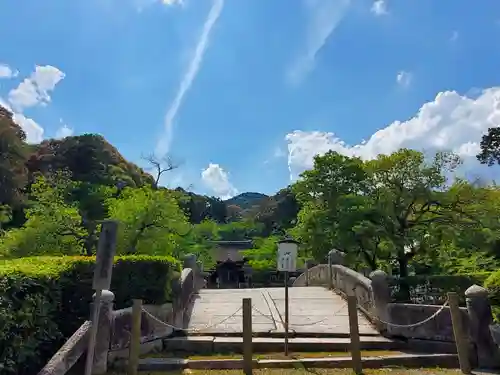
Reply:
x=313, y=310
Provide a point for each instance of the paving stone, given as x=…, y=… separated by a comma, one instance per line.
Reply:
x=312, y=310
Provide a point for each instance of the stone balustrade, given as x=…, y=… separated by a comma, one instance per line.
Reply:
x=398, y=319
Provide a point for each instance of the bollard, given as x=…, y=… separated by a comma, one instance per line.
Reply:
x=135, y=337
x=458, y=332
x=247, y=336
x=354, y=333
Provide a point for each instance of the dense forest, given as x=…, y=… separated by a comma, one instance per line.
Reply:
x=405, y=212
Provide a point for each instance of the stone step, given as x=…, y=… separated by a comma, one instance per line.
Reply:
x=273, y=334
x=220, y=345
x=401, y=360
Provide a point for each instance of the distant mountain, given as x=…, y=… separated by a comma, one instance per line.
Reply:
x=246, y=200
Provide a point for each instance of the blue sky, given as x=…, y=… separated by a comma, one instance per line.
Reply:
x=246, y=92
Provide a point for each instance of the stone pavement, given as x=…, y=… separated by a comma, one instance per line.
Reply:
x=313, y=310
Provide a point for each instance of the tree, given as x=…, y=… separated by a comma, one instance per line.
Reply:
x=264, y=254
x=490, y=147
x=13, y=172
x=89, y=158
x=160, y=166
x=277, y=213
x=321, y=193
x=151, y=221
x=381, y=211
x=52, y=226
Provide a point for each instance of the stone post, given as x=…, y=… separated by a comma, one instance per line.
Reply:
x=104, y=329
x=331, y=255
x=189, y=261
x=480, y=318
x=308, y=264
x=381, y=296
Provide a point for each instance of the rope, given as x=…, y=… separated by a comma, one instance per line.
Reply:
x=193, y=329
x=415, y=324
x=314, y=323
x=262, y=314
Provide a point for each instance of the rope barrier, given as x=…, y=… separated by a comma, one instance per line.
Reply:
x=415, y=324
x=262, y=314
x=193, y=329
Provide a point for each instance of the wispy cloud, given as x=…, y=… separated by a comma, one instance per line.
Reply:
x=379, y=8
x=404, y=78
x=323, y=18
x=163, y=145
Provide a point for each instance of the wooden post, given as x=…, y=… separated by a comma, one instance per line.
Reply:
x=286, y=313
x=247, y=336
x=102, y=281
x=135, y=337
x=354, y=333
x=460, y=338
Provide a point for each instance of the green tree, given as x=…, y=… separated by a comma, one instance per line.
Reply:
x=52, y=226
x=381, y=211
x=13, y=171
x=490, y=147
x=151, y=221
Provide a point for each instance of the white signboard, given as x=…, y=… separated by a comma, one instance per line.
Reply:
x=287, y=257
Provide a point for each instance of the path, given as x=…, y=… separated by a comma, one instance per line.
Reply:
x=313, y=310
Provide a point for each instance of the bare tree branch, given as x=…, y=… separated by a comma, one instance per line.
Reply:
x=160, y=165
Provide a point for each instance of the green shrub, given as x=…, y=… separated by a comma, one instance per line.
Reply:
x=43, y=301
x=492, y=283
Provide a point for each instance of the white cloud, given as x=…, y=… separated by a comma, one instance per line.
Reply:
x=449, y=122
x=163, y=145
x=7, y=72
x=173, y=2
x=323, y=18
x=379, y=8
x=64, y=131
x=32, y=91
x=404, y=78
x=36, y=89
x=217, y=180
x=34, y=132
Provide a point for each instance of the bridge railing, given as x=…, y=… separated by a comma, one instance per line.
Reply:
x=345, y=281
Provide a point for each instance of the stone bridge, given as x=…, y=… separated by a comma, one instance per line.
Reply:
x=314, y=311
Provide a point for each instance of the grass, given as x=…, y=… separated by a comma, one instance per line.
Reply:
x=386, y=371
x=365, y=353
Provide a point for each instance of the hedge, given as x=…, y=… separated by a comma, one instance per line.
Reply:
x=43, y=301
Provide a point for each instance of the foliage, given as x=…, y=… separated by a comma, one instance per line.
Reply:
x=52, y=226
x=277, y=213
x=492, y=283
x=40, y=293
x=264, y=254
x=89, y=158
x=151, y=221
x=433, y=289
x=397, y=212
x=490, y=147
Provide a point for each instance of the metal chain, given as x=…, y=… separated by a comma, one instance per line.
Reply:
x=193, y=329
x=415, y=324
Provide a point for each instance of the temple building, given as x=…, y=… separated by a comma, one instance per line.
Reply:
x=230, y=270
